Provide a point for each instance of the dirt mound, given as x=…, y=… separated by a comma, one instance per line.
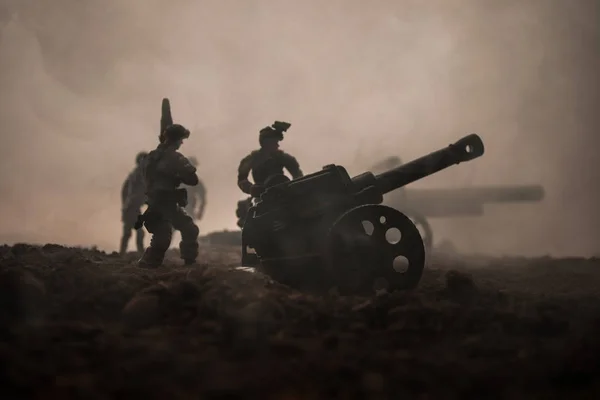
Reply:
x=79, y=323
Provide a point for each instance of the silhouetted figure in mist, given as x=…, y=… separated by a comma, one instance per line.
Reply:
x=133, y=197
x=164, y=170
x=267, y=165
x=196, y=196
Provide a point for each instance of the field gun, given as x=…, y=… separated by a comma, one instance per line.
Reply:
x=327, y=229
x=422, y=204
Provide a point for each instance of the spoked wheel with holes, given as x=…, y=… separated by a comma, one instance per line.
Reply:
x=374, y=247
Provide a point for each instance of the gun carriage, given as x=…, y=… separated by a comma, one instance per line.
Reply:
x=328, y=229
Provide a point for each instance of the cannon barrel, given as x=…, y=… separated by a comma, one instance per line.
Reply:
x=465, y=201
x=502, y=194
x=465, y=149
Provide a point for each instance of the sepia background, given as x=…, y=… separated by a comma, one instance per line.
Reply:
x=81, y=84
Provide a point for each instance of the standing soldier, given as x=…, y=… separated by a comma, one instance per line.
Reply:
x=164, y=170
x=132, y=199
x=267, y=165
x=196, y=200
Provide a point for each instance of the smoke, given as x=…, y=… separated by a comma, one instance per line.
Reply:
x=82, y=81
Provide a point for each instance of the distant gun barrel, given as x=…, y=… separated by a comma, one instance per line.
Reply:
x=503, y=194
x=385, y=164
x=466, y=149
x=439, y=203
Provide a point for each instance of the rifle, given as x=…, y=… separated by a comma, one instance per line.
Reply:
x=166, y=118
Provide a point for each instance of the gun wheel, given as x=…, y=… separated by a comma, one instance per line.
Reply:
x=372, y=248
x=424, y=228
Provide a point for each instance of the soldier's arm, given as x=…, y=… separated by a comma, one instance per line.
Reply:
x=243, y=172
x=129, y=191
x=201, y=190
x=185, y=170
x=291, y=164
x=124, y=190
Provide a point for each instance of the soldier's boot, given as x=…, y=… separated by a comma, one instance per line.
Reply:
x=188, y=247
x=159, y=244
x=152, y=258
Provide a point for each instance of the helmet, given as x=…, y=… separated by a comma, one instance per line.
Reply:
x=140, y=157
x=274, y=131
x=268, y=133
x=174, y=132
x=193, y=160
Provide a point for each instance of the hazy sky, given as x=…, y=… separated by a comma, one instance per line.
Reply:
x=358, y=80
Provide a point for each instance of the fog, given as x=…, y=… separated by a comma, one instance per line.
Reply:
x=82, y=81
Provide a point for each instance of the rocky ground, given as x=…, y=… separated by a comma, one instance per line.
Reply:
x=84, y=324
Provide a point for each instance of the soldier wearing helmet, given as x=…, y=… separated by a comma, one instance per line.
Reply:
x=196, y=200
x=164, y=170
x=268, y=162
x=132, y=199
x=267, y=165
